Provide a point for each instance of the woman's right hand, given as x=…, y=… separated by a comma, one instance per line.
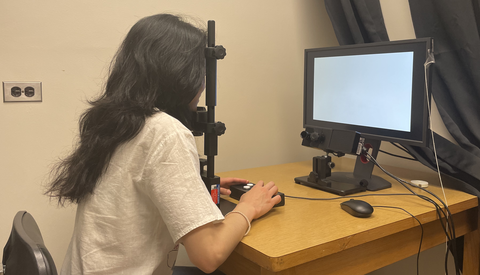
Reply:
x=260, y=199
x=209, y=245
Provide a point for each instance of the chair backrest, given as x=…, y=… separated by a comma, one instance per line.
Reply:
x=25, y=252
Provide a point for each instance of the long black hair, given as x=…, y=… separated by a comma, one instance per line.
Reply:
x=159, y=66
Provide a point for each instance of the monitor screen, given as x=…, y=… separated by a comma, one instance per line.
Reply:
x=376, y=89
x=357, y=96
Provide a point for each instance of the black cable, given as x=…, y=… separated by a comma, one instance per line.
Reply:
x=343, y=197
x=397, y=156
x=439, y=209
x=448, y=218
x=421, y=236
x=366, y=195
x=451, y=238
x=401, y=147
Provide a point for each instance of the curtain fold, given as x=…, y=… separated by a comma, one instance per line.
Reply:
x=357, y=21
x=455, y=83
x=456, y=77
x=454, y=25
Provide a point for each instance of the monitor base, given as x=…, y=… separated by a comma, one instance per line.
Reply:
x=332, y=186
x=345, y=183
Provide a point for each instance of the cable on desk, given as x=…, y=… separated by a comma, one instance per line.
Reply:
x=351, y=196
x=421, y=227
x=445, y=219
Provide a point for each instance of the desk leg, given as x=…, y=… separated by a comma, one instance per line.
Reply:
x=471, y=253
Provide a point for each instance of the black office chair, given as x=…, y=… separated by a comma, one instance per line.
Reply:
x=25, y=253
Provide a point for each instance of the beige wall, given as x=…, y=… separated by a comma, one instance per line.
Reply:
x=68, y=45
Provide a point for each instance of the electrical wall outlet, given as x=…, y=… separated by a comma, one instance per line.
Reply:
x=15, y=91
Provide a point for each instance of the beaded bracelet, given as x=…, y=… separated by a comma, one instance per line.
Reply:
x=249, y=226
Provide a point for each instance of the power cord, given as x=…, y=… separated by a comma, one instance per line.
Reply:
x=412, y=157
x=421, y=227
x=445, y=219
x=347, y=197
x=376, y=206
x=431, y=60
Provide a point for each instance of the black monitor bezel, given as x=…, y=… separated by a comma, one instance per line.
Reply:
x=419, y=117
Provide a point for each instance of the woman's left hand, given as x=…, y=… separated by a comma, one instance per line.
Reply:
x=225, y=184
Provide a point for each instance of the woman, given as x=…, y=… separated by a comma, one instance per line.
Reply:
x=135, y=172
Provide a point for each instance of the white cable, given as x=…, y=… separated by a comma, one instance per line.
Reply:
x=429, y=61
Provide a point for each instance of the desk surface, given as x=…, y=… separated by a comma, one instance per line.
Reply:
x=306, y=235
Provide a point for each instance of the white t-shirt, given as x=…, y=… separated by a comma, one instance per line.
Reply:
x=150, y=196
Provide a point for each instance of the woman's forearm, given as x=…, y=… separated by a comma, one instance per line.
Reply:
x=209, y=246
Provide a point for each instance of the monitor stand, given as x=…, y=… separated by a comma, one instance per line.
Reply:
x=345, y=183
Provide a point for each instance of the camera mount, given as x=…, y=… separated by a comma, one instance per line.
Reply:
x=204, y=120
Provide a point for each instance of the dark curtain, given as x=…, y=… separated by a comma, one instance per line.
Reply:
x=357, y=21
x=455, y=83
x=454, y=25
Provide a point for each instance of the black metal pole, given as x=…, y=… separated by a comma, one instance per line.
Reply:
x=211, y=101
x=211, y=128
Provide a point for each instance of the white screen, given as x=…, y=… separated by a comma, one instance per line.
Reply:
x=373, y=90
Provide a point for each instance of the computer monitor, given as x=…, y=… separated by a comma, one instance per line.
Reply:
x=359, y=95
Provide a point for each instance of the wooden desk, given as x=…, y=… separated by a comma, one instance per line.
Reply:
x=318, y=237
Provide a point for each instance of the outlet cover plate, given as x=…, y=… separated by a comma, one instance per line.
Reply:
x=22, y=91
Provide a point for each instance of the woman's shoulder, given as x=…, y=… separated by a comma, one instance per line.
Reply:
x=162, y=119
x=165, y=124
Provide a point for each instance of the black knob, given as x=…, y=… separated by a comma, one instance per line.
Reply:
x=321, y=138
x=364, y=182
x=219, y=128
x=314, y=136
x=219, y=52
x=305, y=135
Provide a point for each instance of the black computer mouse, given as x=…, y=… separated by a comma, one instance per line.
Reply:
x=357, y=208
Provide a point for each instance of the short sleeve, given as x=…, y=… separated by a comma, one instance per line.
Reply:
x=172, y=181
